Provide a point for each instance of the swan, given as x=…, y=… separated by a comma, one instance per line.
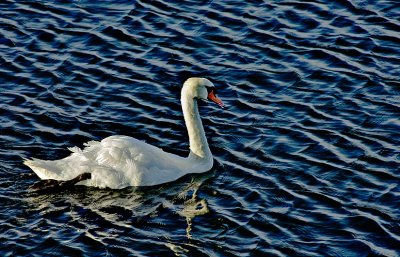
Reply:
x=121, y=161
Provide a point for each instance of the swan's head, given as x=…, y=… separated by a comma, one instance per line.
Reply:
x=201, y=88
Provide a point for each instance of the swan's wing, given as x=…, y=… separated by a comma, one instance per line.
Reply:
x=119, y=151
x=138, y=162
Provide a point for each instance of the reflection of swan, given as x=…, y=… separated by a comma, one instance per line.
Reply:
x=121, y=161
x=193, y=208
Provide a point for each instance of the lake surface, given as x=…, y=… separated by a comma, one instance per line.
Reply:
x=307, y=152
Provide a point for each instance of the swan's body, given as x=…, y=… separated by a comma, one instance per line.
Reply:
x=122, y=161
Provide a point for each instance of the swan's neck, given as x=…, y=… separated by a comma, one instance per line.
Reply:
x=197, y=137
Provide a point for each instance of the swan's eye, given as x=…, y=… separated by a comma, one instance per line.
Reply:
x=211, y=89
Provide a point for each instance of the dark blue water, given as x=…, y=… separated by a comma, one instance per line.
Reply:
x=307, y=154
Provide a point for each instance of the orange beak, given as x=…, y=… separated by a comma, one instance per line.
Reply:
x=215, y=99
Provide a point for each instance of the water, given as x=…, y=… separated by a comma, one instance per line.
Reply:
x=307, y=153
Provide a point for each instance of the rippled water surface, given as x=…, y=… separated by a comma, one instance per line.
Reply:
x=307, y=152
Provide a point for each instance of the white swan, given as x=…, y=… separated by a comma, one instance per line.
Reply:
x=121, y=161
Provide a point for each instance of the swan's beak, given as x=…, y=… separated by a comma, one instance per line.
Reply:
x=215, y=99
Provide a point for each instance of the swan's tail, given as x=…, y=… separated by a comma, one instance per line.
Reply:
x=44, y=169
x=62, y=169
